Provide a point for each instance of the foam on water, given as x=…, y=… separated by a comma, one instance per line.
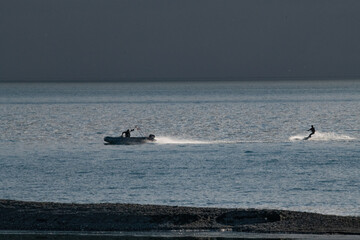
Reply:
x=319, y=136
x=174, y=140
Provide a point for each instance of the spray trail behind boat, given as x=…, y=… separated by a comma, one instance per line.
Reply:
x=175, y=140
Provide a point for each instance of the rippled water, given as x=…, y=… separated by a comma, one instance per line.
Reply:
x=223, y=144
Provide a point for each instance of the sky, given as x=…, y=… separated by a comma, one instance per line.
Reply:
x=117, y=40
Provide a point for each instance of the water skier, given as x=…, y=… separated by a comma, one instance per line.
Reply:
x=312, y=129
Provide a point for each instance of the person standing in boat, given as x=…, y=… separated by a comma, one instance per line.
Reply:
x=312, y=129
x=127, y=132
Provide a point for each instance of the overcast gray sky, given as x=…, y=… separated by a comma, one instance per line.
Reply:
x=91, y=40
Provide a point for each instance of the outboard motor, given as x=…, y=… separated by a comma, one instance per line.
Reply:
x=152, y=137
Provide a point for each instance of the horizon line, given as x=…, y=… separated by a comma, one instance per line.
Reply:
x=189, y=79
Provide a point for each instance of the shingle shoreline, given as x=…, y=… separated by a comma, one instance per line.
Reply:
x=49, y=216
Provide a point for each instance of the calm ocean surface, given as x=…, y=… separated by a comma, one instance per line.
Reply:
x=219, y=144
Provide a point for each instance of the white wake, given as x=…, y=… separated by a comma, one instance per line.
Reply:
x=174, y=140
x=319, y=136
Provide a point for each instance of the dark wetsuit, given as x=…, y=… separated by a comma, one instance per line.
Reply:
x=312, y=129
x=127, y=132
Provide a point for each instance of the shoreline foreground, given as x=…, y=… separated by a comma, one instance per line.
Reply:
x=50, y=216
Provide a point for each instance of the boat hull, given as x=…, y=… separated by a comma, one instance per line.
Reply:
x=128, y=140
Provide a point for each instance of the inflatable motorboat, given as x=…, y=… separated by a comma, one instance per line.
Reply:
x=129, y=140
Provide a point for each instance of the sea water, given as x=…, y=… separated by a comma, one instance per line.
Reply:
x=219, y=144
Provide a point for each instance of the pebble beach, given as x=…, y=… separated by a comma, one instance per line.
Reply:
x=50, y=216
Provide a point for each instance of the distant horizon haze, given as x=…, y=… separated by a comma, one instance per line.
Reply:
x=139, y=80
x=179, y=40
